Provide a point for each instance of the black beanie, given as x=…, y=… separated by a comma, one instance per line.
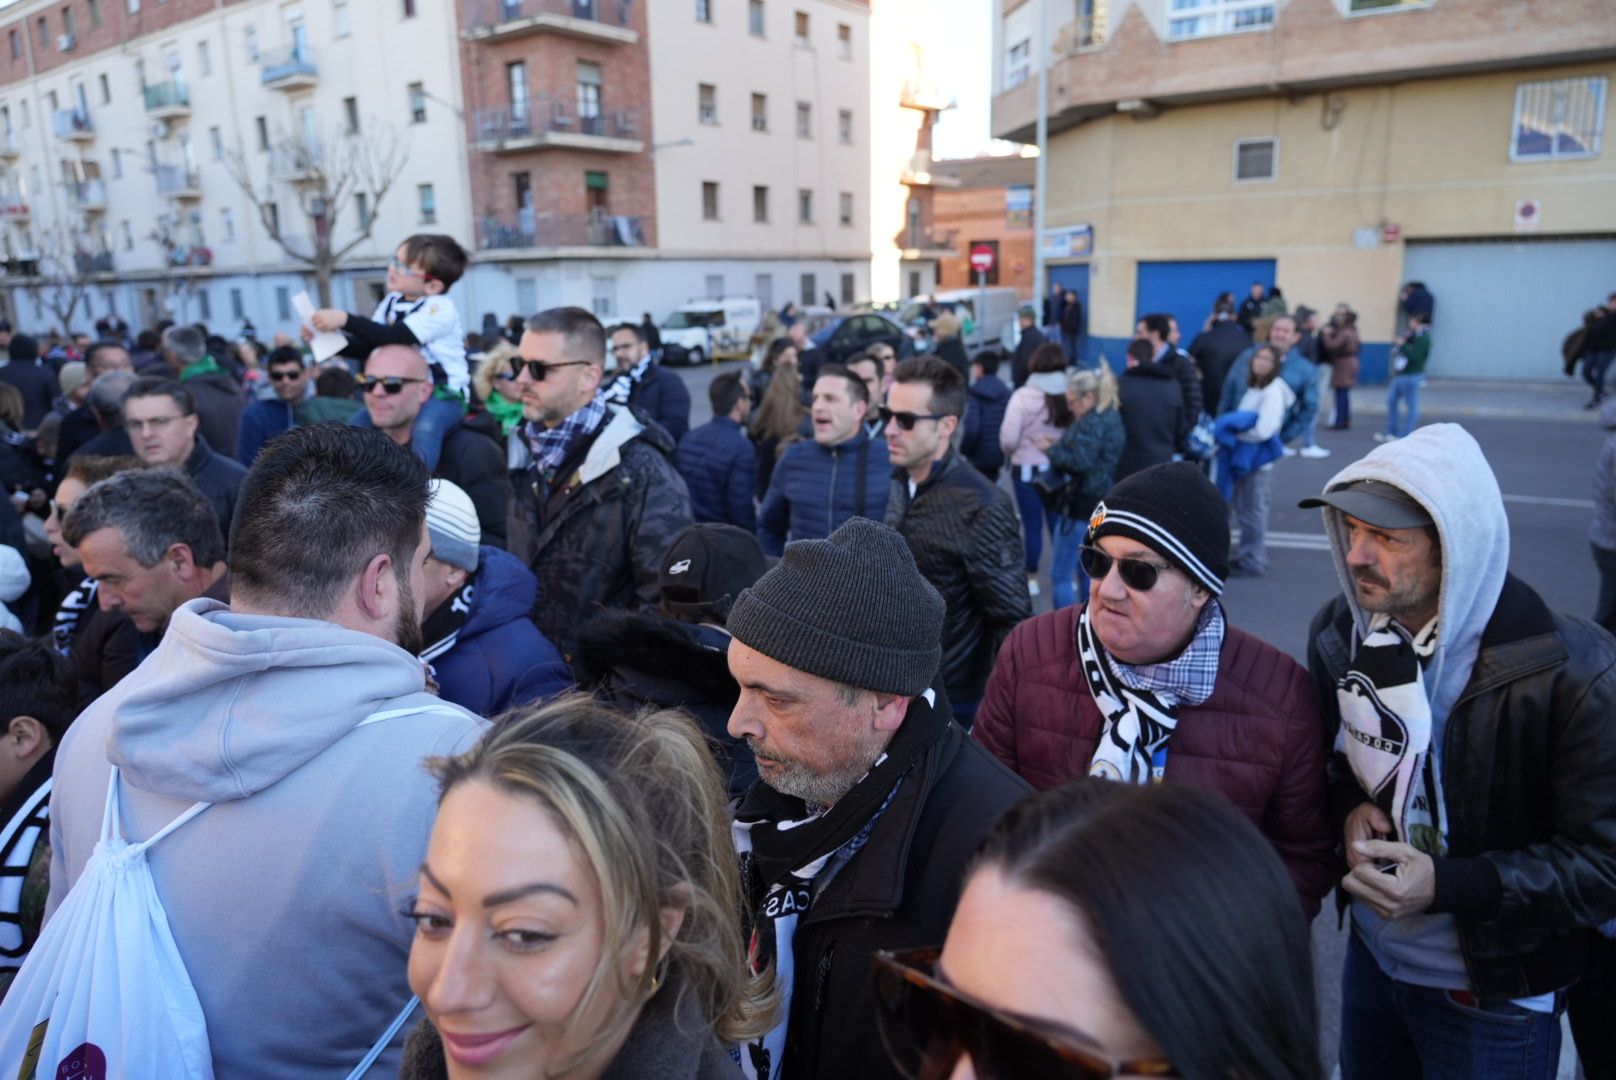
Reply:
x=1174, y=510
x=852, y=608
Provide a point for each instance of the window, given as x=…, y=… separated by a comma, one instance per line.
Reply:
x=1384, y=5
x=27, y=116
x=1202, y=18
x=350, y=114
x=805, y=120
x=106, y=89
x=704, y=11
x=409, y=9
x=1018, y=64
x=707, y=103
x=227, y=225
x=596, y=185
x=516, y=87
x=715, y=286
x=52, y=102
x=95, y=14
x=806, y=291
x=845, y=210
x=754, y=17
x=70, y=23
x=760, y=112
x=204, y=306
x=844, y=41
x=16, y=45
x=603, y=296
x=272, y=213
x=128, y=236
x=428, y=200
x=361, y=202
x=117, y=164
x=709, y=200
x=760, y=205
x=238, y=309
x=44, y=32
x=252, y=44
x=847, y=288
x=844, y=126
x=590, y=89
x=339, y=13
x=417, y=103
x=204, y=58
x=803, y=39
x=1558, y=119
x=134, y=7
x=283, y=302
x=763, y=289
x=1255, y=159
x=261, y=128
x=527, y=294
x=216, y=143
x=805, y=206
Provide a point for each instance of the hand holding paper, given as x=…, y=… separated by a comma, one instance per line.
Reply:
x=324, y=343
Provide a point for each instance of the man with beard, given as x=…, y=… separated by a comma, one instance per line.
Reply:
x=870, y=799
x=300, y=713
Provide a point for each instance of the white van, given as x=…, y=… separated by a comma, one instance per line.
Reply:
x=993, y=326
x=705, y=330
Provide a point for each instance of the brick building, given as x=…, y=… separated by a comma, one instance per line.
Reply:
x=989, y=202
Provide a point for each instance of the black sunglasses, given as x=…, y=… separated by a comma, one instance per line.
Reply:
x=1137, y=574
x=390, y=384
x=285, y=376
x=927, y=1026
x=538, y=369
x=906, y=420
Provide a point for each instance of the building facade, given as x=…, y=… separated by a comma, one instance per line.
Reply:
x=1336, y=147
x=990, y=205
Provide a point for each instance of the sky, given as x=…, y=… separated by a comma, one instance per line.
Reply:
x=960, y=60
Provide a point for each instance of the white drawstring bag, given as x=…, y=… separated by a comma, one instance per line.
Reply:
x=104, y=992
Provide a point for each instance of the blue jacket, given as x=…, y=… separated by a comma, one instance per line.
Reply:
x=814, y=490
x=1238, y=459
x=499, y=659
x=260, y=422
x=1299, y=373
x=719, y=464
x=984, y=414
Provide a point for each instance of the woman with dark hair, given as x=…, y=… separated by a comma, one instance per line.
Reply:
x=777, y=420
x=1340, y=339
x=1113, y=929
x=1268, y=398
x=1033, y=422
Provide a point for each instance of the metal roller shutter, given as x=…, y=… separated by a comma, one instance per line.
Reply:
x=1186, y=290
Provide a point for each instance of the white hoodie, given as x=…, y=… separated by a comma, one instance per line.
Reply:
x=285, y=897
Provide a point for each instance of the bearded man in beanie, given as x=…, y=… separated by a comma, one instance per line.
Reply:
x=1149, y=682
x=870, y=800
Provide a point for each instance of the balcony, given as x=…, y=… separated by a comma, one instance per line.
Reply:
x=87, y=196
x=179, y=182
x=295, y=164
x=9, y=150
x=93, y=262
x=73, y=125
x=26, y=266
x=602, y=21
x=547, y=125
x=919, y=242
x=918, y=173
x=526, y=229
x=922, y=94
x=190, y=256
x=168, y=100
x=291, y=68
x=1082, y=33
x=14, y=208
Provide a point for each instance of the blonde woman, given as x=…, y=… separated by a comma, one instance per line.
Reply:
x=1089, y=450
x=578, y=913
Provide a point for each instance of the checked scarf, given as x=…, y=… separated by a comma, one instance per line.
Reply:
x=549, y=445
x=1386, y=729
x=1139, y=704
x=784, y=845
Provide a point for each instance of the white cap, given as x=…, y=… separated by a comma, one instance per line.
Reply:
x=451, y=522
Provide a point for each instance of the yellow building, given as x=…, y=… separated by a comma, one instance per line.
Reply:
x=1337, y=148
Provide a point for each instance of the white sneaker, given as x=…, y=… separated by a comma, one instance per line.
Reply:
x=1314, y=452
x=1032, y=586
x=1385, y=436
x=1290, y=451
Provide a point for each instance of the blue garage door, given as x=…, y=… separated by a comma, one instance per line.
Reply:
x=1186, y=290
x=1075, y=276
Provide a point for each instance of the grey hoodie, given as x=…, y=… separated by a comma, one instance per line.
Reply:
x=1602, y=529
x=285, y=896
x=1443, y=468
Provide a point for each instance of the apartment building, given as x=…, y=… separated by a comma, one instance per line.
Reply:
x=1337, y=147
x=120, y=121
x=988, y=203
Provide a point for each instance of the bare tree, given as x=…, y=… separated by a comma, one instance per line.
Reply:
x=67, y=266
x=326, y=174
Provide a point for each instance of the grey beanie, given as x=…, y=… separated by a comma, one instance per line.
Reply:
x=852, y=608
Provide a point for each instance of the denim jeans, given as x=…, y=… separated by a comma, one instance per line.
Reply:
x=1391, y=1029
x=1069, y=344
x=1252, y=503
x=1031, y=506
x=1405, y=392
x=1595, y=366
x=1068, y=583
x=1322, y=375
x=1343, y=407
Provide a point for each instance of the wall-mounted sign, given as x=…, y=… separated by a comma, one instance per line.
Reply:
x=1528, y=212
x=1070, y=242
x=1018, y=206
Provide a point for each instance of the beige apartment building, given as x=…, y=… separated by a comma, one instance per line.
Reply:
x=1336, y=147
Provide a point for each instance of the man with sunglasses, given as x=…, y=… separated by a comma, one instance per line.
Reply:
x=1148, y=682
x=396, y=385
x=962, y=529
x=1470, y=784
x=263, y=420
x=602, y=498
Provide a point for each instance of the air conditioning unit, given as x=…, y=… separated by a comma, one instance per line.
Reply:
x=66, y=42
x=159, y=129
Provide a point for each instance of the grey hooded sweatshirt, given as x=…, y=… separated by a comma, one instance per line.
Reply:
x=285, y=896
x=1443, y=468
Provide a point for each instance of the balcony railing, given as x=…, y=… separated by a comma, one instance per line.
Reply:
x=87, y=195
x=290, y=67
x=72, y=124
x=93, y=262
x=1082, y=33
x=178, y=181
x=169, y=98
x=20, y=266
x=606, y=20
x=13, y=208
x=543, y=118
x=920, y=238
x=525, y=229
x=8, y=145
x=294, y=162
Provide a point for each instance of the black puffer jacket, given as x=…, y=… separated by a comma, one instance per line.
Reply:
x=966, y=540
x=1529, y=752
x=218, y=477
x=1153, y=415
x=473, y=458
x=662, y=395
x=600, y=529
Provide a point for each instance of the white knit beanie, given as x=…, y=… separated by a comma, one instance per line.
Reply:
x=451, y=522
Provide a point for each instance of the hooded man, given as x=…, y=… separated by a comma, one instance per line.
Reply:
x=1471, y=778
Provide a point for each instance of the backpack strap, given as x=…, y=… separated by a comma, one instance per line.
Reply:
x=392, y=1029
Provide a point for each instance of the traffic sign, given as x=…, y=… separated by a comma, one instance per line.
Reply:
x=982, y=258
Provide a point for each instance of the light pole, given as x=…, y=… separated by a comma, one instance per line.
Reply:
x=1041, y=170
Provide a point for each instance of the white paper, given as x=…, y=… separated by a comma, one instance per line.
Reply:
x=326, y=343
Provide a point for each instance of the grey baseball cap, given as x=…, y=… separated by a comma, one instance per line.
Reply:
x=1374, y=502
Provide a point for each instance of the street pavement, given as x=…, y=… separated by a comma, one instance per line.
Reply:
x=1542, y=446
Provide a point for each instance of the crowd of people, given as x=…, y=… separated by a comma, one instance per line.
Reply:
x=478, y=682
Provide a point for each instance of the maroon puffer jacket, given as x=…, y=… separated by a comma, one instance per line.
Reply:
x=1258, y=740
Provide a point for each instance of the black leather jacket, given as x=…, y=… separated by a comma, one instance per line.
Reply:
x=1529, y=752
x=966, y=540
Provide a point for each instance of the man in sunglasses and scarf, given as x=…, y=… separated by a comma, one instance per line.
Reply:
x=870, y=799
x=1471, y=781
x=1149, y=683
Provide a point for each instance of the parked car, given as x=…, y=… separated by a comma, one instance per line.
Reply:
x=841, y=335
x=704, y=330
x=994, y=325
